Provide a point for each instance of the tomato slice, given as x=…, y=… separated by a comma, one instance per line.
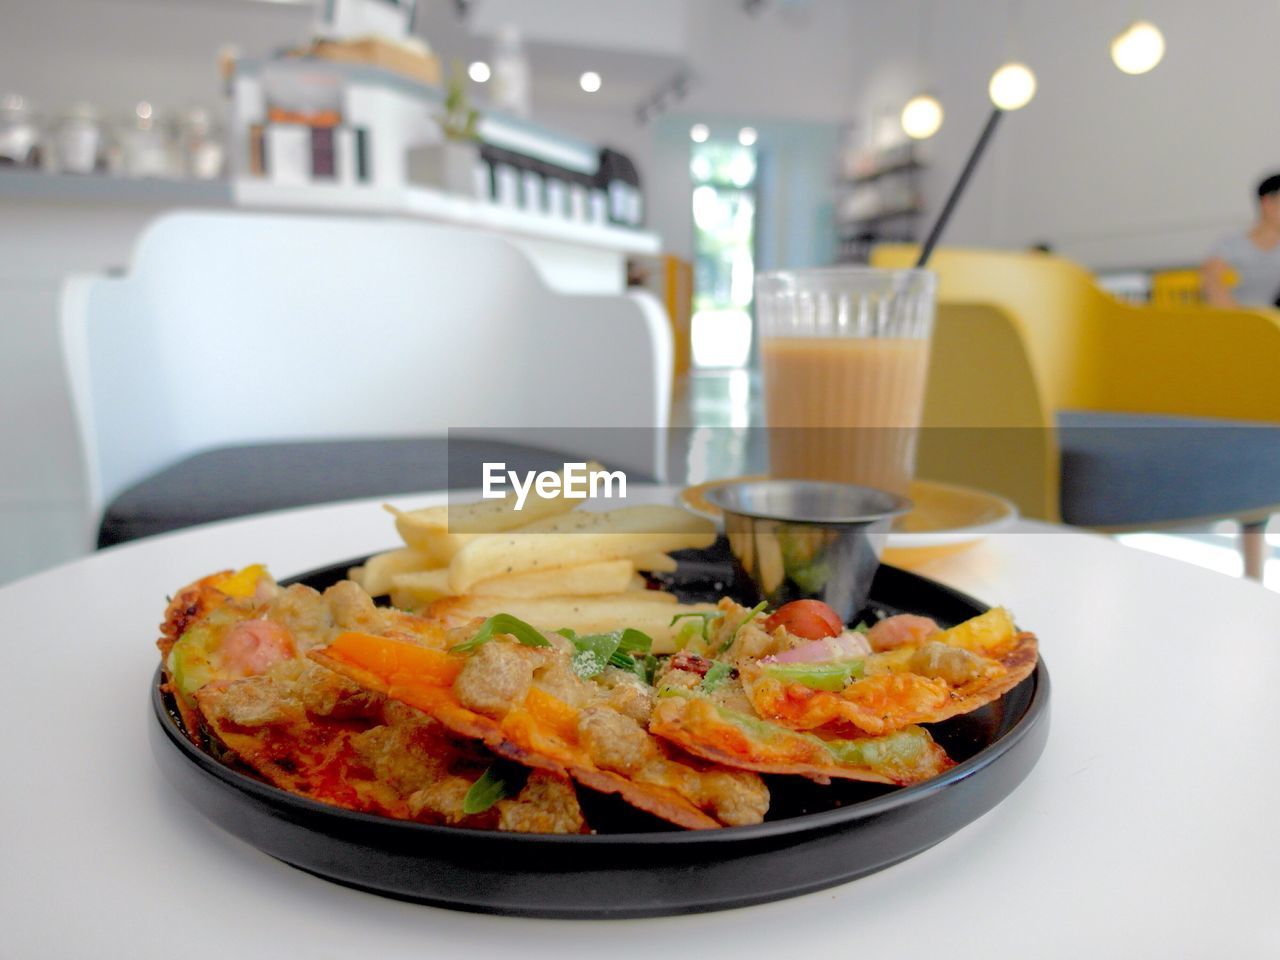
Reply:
x=810, y=619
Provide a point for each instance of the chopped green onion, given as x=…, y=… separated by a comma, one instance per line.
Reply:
x=502, y=623
x=635, y=641
x=633, y=654
x=686, y=633
x=706, y=618
x=862, y=628
x=500, y=781
x=618, y=649
x=593, y=652
x=819, y=676
x=625, y=661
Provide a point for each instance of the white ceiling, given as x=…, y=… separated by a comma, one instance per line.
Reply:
x=630, y=74
x=788, y=58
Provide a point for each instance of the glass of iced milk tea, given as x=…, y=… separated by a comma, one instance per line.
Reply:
x=845, y=354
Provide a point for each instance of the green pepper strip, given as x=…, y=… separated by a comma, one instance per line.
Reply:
x=819, y=676
x=900, y=749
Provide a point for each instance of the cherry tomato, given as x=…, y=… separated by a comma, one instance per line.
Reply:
x=811, y=619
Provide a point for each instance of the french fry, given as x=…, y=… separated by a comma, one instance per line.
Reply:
x=643, y=612
x=576, y=539
x=589, y=579
x=377, y=573
x=427, y=530
x=643, y=519
x=649, y=596
x=655, y=563
x=483, y=516
x=771, y=567
x=421, y=531
x=592, y=579
x=417, y=588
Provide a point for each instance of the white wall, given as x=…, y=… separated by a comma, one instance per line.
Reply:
x=1112, y=170
x=43, y=518
x=789, y=62
x=787, y=71
x=113, y=53
x=654, y=26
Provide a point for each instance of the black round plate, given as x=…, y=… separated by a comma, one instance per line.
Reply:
x=814, y=837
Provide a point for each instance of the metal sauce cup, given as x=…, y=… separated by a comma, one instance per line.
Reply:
x=798, y=539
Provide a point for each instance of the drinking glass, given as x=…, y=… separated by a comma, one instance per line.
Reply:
x=845, y=356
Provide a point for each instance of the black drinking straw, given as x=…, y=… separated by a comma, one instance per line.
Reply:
x=941, y=223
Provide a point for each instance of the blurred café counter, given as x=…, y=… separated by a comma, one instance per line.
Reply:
x=306, y=137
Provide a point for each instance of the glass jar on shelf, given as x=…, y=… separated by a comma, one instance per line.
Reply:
x=19, y=133
x=200, y=145
x=77, y=140
x=147, y=148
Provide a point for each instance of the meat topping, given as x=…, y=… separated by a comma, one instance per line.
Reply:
x=495, y=678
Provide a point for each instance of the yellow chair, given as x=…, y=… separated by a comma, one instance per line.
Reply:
x=1024, y=340
x=677, y=294
x=1180, y=288
x=670, y=279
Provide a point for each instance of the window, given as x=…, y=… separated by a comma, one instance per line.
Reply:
x=724, y=221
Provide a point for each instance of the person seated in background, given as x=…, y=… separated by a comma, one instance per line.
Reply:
x=1253, y=256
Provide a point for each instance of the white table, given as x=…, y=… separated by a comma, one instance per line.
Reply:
x=1147, y=828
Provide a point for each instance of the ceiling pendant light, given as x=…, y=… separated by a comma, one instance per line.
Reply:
x=921, y=117
x=1012, y=86
x=1138, y=48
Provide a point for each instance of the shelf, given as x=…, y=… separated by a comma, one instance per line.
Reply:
x=441, y=207
x=893, y=168
x=496, y=128
x=33, y=186
x=99, y=188
x=847, y=226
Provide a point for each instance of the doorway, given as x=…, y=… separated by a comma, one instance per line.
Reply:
x=725, y=204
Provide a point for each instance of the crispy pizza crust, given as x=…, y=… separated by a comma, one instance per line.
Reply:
x=593, y=743
x=942, y=676
x=702, y=728
x=314, y=733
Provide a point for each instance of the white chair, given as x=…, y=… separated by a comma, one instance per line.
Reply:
x=238, y=328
